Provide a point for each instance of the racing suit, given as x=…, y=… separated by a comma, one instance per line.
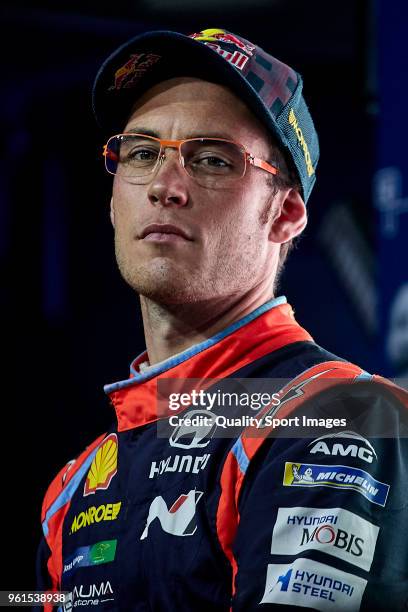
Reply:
x=192, y=520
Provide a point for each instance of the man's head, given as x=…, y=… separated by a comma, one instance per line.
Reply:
x=235, y=230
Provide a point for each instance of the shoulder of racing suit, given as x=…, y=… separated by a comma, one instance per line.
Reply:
x=53, y=511
x=315, y=512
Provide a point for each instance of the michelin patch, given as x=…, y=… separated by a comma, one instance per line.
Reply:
x=337, y=477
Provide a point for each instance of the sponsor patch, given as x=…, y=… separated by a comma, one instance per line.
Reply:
x=334, y=531
x=288, y=394
x=236, y=58
x=179, y=519
x=179, y=463
x=344, y=444
x=95, y=514
x=302, y=142
x=194, y=436
x=103, y=467
x=94, y=594
x=215, y=34
x=310, y=584
x=338, y=477
x=95, y=554
x=135, y=67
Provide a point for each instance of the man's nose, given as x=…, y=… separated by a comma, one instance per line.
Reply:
x=168, y=186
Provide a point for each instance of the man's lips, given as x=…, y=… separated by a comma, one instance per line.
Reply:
x=164, y=232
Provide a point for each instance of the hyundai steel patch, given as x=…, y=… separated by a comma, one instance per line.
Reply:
x=310, y=584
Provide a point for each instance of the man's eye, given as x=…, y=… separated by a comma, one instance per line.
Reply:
x=141, y=155
x=216, y=161
x=211, y=161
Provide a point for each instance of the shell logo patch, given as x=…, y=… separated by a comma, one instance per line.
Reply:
x=103, y=467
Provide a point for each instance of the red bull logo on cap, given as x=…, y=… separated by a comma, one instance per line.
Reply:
x=134, y=69
x=216, y=35
x=237, y=59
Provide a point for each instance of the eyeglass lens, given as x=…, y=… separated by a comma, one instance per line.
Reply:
x=135, y=157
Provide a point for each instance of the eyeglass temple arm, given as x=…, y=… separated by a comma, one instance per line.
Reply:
x=260, y=163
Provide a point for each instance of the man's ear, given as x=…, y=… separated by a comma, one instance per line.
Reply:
x=112, y=213
x=291, y=218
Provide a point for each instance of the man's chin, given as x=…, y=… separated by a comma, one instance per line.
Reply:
x=170, y=288
x=169, y=294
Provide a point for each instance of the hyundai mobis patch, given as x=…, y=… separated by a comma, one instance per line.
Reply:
x=332, y=531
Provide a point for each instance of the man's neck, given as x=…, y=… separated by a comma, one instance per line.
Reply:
x=171, y=329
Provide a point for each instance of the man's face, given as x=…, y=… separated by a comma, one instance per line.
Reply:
x=228, y=251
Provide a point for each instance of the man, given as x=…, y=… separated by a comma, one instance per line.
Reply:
x=189, y=503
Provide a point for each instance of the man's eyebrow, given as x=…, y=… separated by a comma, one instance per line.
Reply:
x=210, y=134
x=144, y=131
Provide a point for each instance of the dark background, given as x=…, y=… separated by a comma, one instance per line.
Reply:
x=70, y=324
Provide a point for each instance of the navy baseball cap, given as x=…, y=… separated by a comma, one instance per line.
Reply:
x=270, y=88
